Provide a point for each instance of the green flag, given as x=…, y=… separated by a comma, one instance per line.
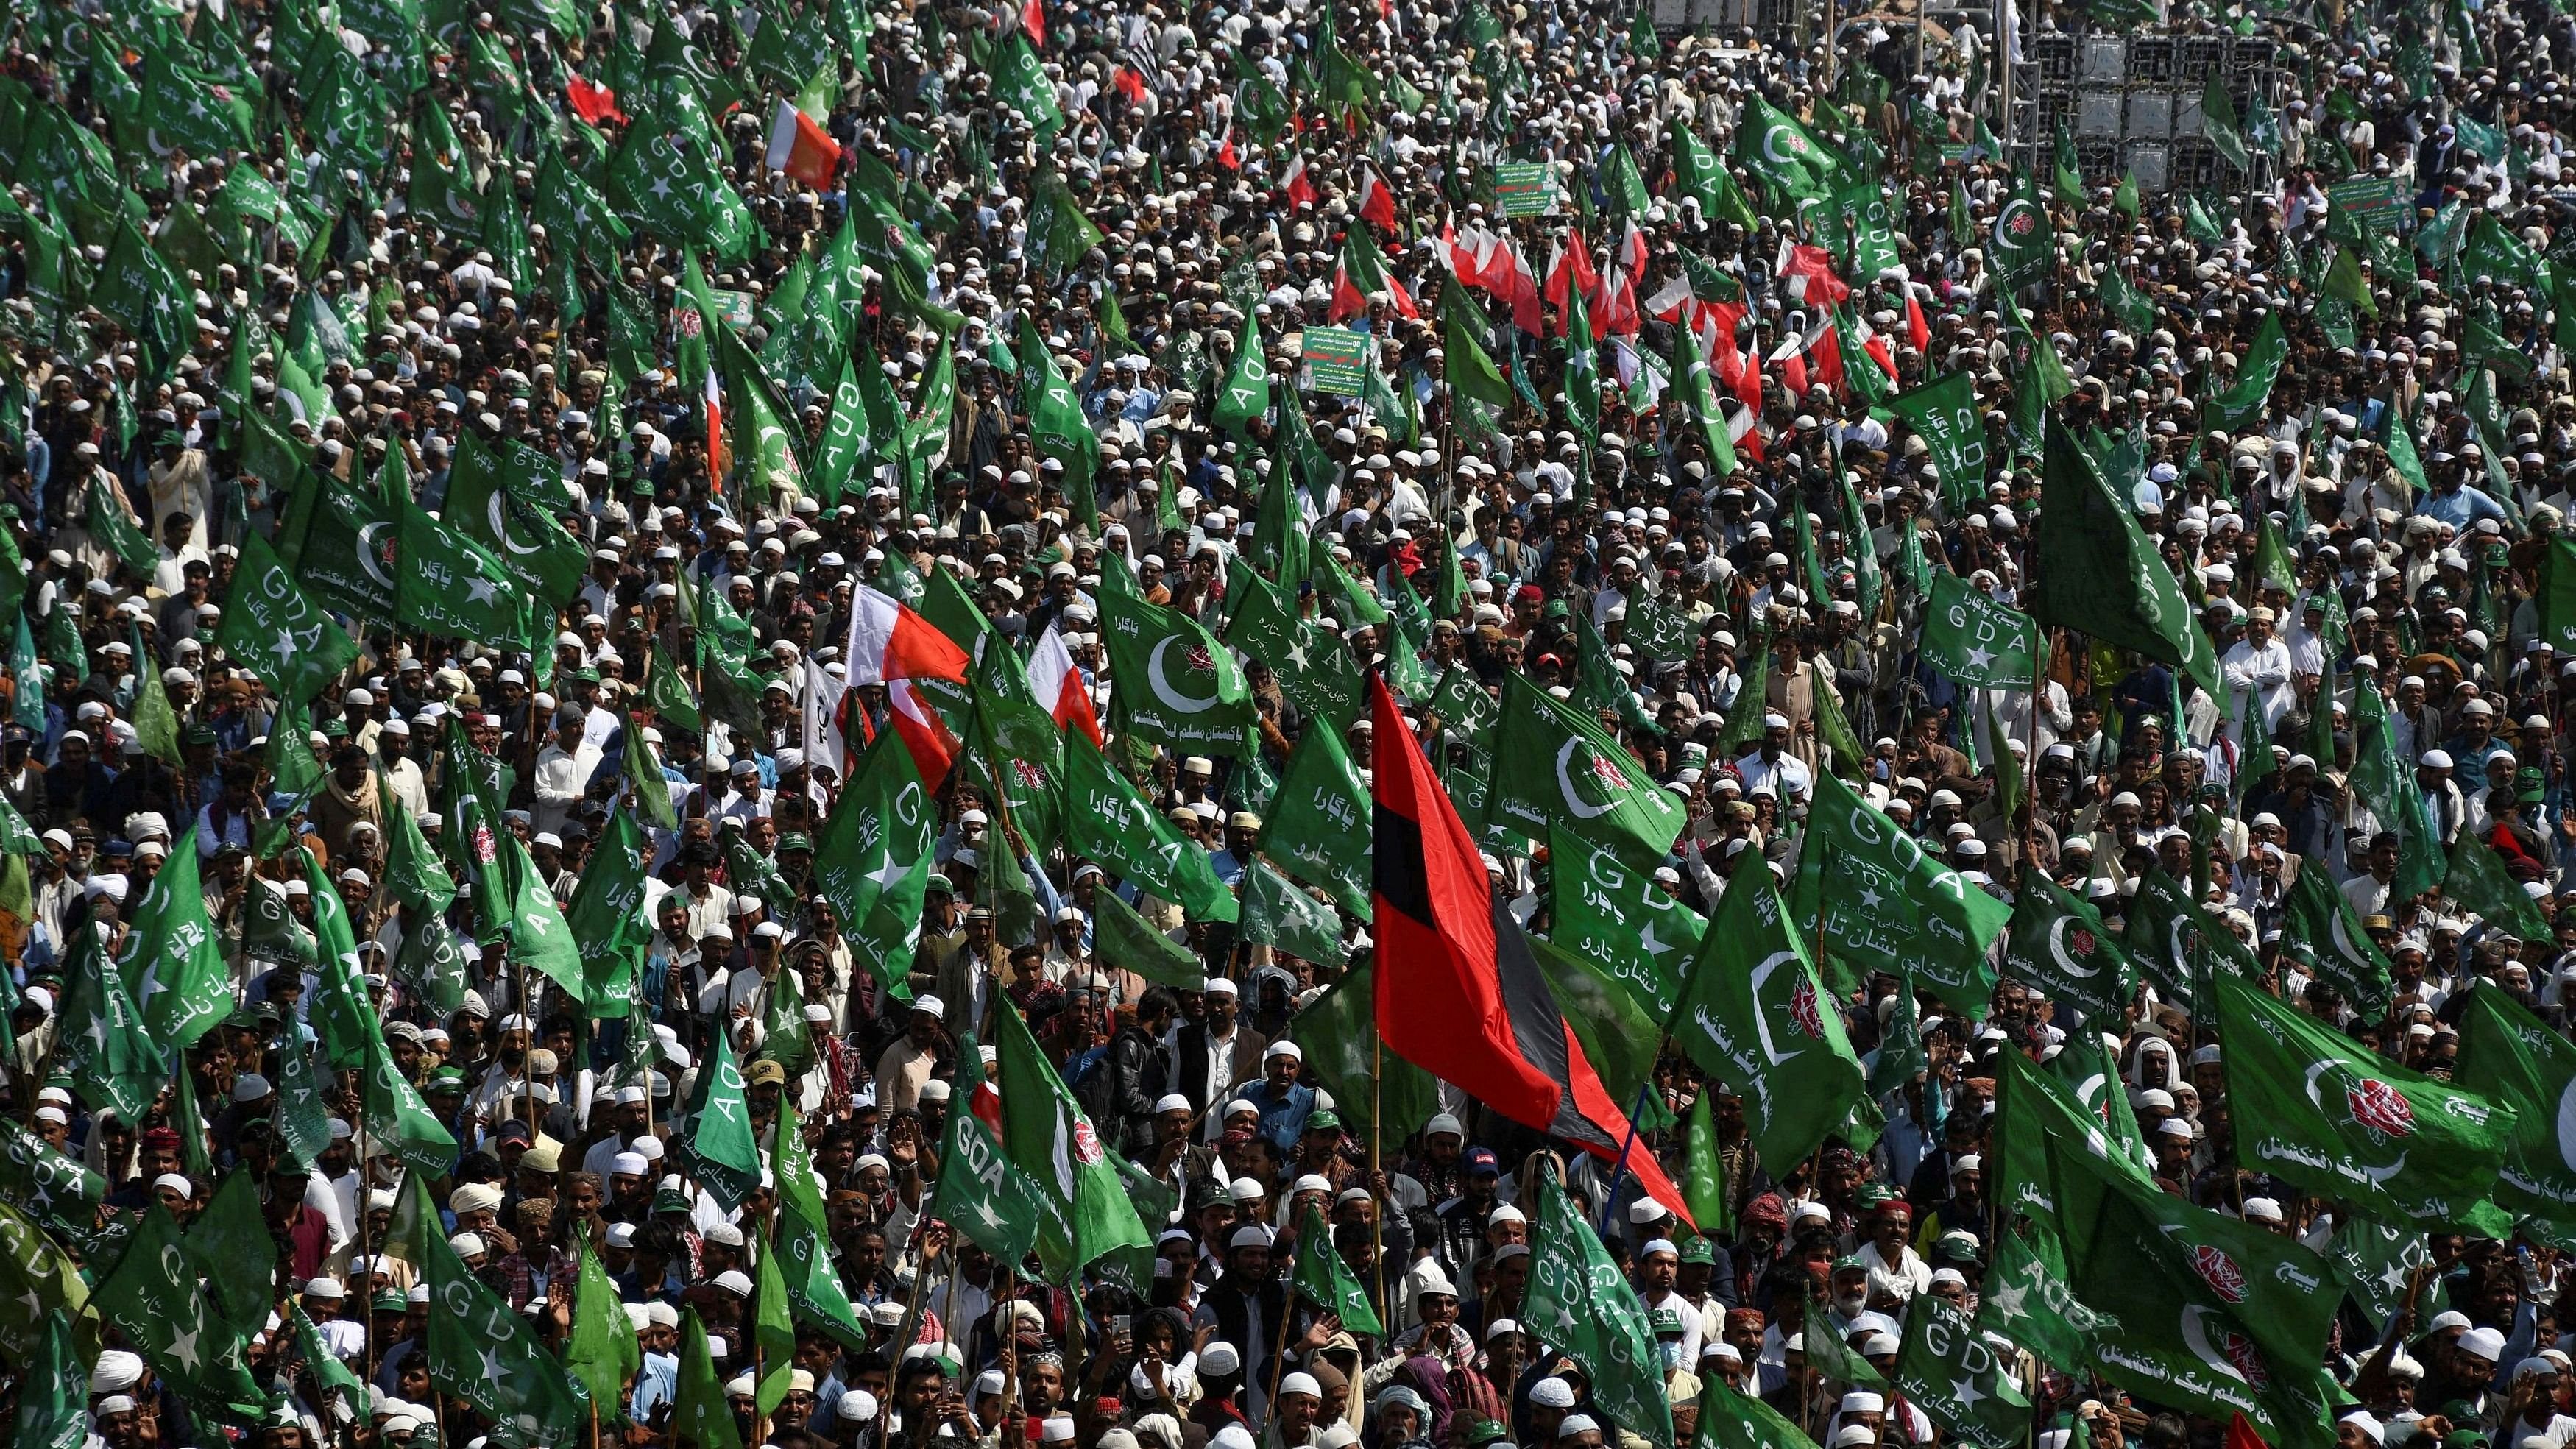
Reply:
x=2099, y=573
x=773, y=1331
x=1620, y=920
x=873, y=860
x=1338, y=1032
x=103, y=1045
x=2023, y=242
x=2243, y=400
x=667, y=179
x=2315, y=1109
x=1176, y=685
x=805, y=1255
x=2027, y=1301
x=449, y=584
x=2555, y=597
x=1779, y=150
x=398, y=1121
x=1888, y=906
x=173, y=955
x=1973, y=639
x=700, y=1414
x=1755, y=1015
x=2377, y=1261
x=1244, y=399
x=1318, y=825
x=154, y=1300
x=2177, y=943
x=1830, y=1354
x=1959, y=1377
x=278, y=631
x=53, y=1393
x=981, y=1191
x=719, y=1149
x=1125, y=940
x=2320, y=928
x=38, y=1280
x=1323, y=1279
x=2058, y=943
x=1110, y=823
x=2478, y=881
x=1087, y=1209
x=2513, y=1059
x=1579, y=1302
x=1575, y=773
x=1314, y=667
x=2218, y=122
x=413, y=873
x=1704, y=1173
x=1280, y=913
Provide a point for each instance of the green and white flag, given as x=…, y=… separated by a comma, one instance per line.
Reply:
x=1324, y=1280
x=1959, y=1377
x=53, y=1390
x=1087, y=1209
x=1945, y=415
x=38, y=1280
x=1318, y=825
x=981, y=1192
x=1579, y=1304
x=1279, y=913
x=2376, y=1261
x=720, y=1150
x=1756, y=1016
x=2178, y=944
x=2023, y=242
x=173, y=955
x=1569, y=770
x=2099, y=573
x=1123, y=939
x=2026, y=1300
x=1620, y=920
x=2243, y=400
x=1779, y=150
x=1888, y=906
x=2315, y=1109
x=1975, y=640
x=275, y=629
x=2057, y=942
x=1110, y=823
x=873, y=860
x=111, y=1057
x=2320, y=928
x=483, y=1352
x=449, y=584
x=1175, y=684
x=2512, y=1058
x=154, y=1300
x=813, y=1285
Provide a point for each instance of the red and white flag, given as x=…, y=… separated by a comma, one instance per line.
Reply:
x=1294, y=185
x=1033, y=20
x=1377, y=203
x=889, y=641
x=1809, y=273
x=591, y=101
x=924, y=733
x=800, y=148
x=1058, y=684
x=1916, y=329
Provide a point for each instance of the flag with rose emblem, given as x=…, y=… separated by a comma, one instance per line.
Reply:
x=1779, y=150
x=2207, y=1312
x=2057, y=942
x=1175, y=684
x=2318, y=1110
x=2024, y=243
x=1755, y=1015
x=1977, y=640
x=1572, y=772
x=2099, y=573
x=1086, y=1211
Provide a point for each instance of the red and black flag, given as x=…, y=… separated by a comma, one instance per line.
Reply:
x=1458, y=992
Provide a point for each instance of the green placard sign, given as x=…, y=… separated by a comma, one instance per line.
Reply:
x=2375, y=204
x=1524, y=188
x=1336, y=359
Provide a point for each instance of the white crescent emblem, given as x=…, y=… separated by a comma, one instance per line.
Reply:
x=2057, y=949
x=2198, y=1341
x=2567, y=1124
x=1162, y=687
x=500, y=528
x=1771, y=140
x=1565, y=785
x=2316, y=1070
x=2343, y=942
x=2177, y=947
x=367, y=555
x=1761, y=1018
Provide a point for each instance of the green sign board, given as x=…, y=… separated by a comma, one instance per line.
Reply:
x=1524, y=188
x=1336, y=359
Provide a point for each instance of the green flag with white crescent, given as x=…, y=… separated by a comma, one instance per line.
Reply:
x=1324, y=1280
x=1755, y=1015
x=1175, y=684
x=2320, y=1111
x=1571, y=771
x=1046, y=1134
x=2320, y=929
x=2023, y=242
x=2058, y=943
x=173, y=955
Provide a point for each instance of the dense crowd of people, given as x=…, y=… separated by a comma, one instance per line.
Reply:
x=1280, y=724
